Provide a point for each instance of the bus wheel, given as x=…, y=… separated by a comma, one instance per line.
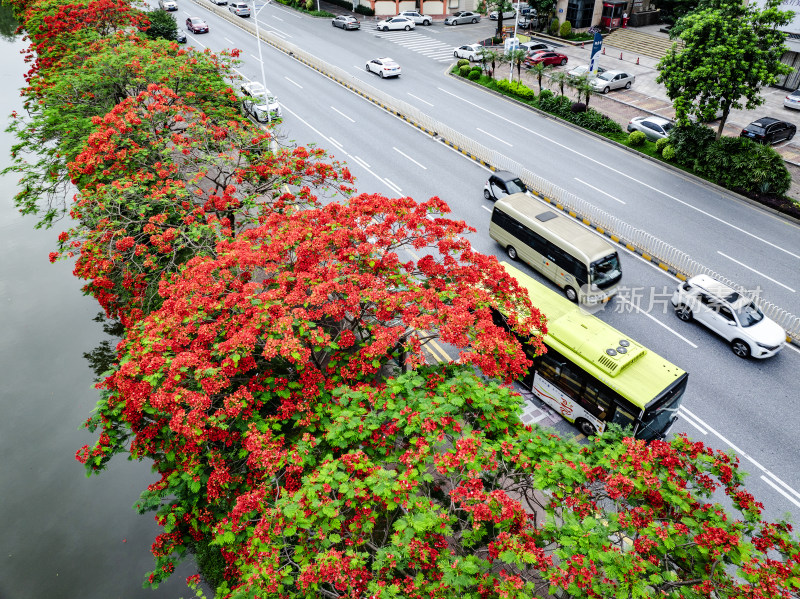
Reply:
x=587, y=428
x=740, y=348
x=571, y=294
x=512, y=253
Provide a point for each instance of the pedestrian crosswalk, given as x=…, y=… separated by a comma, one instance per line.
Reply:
x=420, y=43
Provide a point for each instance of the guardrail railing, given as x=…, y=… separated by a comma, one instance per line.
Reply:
x=666, y=256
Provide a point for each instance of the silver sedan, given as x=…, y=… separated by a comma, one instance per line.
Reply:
x=462, y=16
x=609, y=80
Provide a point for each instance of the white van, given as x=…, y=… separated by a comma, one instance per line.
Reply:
x=579, y=261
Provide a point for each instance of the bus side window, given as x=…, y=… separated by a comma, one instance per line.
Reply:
x=549, y=367
x=571, y=380
x=623, y=417
x=596, y=400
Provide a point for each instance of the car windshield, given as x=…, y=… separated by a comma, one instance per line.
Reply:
x=657, y=418
x=748, y=313
x=605, y=76
x=515, y=186
x=755, y=128
x=667, y=126
x=606, y=271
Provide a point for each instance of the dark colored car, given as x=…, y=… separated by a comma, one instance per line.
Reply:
x=553, y=58
x=196, y=25
x=768, y=130
x=180, y=37
x=502, y=183
x=346, y=22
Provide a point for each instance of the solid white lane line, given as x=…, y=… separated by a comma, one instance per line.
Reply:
x=779, y=490
x=623, y=174
x=688, y=419
x=742, y=264
x=497, y=138
x=599, y=191
x=656, y=320
x=343, y=114
x=410, y=158
x=744, y=455
x=293, y=82
x=390, y=184
x=420, y=99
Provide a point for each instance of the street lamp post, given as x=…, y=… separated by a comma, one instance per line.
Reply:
x=511, y=62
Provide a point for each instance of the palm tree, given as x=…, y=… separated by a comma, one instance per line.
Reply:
x=487, y=56
x=560, y=78
x=538, y=71
x=516, y=58
x=583, y=87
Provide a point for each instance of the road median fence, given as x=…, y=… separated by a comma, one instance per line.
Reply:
x=649, y=247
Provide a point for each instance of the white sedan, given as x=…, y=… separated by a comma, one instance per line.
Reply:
x=385, y=67
x=396, y=24
x=471, y=52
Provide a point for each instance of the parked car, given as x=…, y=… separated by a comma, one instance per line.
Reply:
x=416, y=17
x=527, y=21
x=609, y=80
x=461, y=17
x=654, y=127
x=583, y=69
x=533, y=47
x=263, y=109
x=196, y=25
x=552, y=58
x=395, y=23
x=169, y=5
x=180, y=37
x=731, y=315
x=385, y=67
x=768, y=130
x=253, y=88
x=792, y=100
x=239, y=9
x=346, y=22
x=502, y=183
x=507, y=14
x=471, y=52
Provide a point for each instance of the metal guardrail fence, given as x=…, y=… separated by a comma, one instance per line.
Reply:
x=666, y=256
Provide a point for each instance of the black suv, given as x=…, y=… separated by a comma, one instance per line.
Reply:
x=768, y=130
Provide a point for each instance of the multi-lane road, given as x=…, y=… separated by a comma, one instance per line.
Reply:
x=747, y=406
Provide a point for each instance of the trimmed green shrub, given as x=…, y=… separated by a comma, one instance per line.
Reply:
x=474, y=75
x=365, y=10
x=668, y=153
x=553, y=27
x=636, y=139
x=566, y=29
x=661, y=143
x=741, y=164
x=464, y=70
x=515, y=88
x=461, y=62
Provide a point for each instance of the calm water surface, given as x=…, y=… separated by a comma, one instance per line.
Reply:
x=61, y=535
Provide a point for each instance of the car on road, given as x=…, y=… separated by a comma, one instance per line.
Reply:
x=654, y=127
x=262, y=108
x=792, y=100
x=583, y=69
x=346, y=22
x=471, y=52
x=239, y=9
x=180, y=37
x=508, y=14
x=219, y=2
x=733, y=316
x=768, y=130
x=609, y=80
x=533, y=47
x=395, y=24
x=385, y=67
x=461, y=17
x=196, y=25
x=253, y=88
x=168, y=5
x=416, y=17
x=501, y=184
x=543, y=56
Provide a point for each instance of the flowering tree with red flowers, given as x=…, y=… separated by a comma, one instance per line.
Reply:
x=162, y=183
x=89, y=82
x=259, y=335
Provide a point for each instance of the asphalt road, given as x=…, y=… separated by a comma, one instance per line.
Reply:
x=730, y=403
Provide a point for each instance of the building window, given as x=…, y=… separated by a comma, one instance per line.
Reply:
x=579, y=13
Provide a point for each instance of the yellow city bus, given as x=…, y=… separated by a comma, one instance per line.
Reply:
x=593, y=374
x=579, y=261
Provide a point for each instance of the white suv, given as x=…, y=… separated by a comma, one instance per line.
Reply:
x=416, y=17
x=733, y=316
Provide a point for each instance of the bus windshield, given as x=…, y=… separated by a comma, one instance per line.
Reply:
x=658, y=418
x=605, y=272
